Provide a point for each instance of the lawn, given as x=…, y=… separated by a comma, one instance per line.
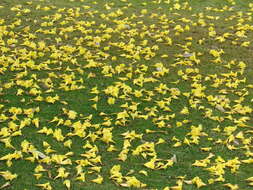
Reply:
x=126, y=94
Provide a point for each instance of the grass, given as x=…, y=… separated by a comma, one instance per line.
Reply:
x=152, y=60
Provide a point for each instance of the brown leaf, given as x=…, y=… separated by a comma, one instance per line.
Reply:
x=7, y=184
x=220, y=108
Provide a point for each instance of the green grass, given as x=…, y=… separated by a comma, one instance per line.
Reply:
x=74, y=61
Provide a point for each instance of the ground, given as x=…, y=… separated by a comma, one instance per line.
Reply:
x=126, y=94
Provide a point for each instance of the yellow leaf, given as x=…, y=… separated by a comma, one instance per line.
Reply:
x=58, y=135
x=249, y=179
x=72, y=114
x=81, y=177
x=111, y=100
x=177, y=144
x=67, y=183
x=198, y=182
x=94, y=106
x=98, y=180
x=7, y=142
x=231, y=187
x=62, y=173
x=111, y=148
x=68, y=143
x=45, y=186
x=107, y=135
x=134, y=182
x=8, y=175
x=95, y=99
x=248, y=161
x=206, y=149
x=123, y=155
x=143, y=172
x=116, y=174
x=39, y=168
x=151, y=163
x=37, y=175
x=184, y=111
x=160, y=141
